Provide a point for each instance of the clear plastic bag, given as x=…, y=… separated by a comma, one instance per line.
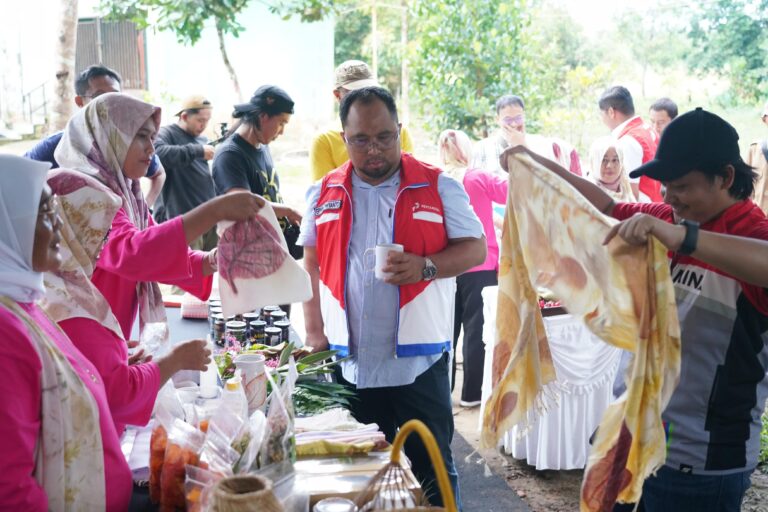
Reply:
x=167, y=409
x=279, y=444
x=183, y=448
x=197, y=487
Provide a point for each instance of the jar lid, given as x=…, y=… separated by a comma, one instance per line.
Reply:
x=271, y=308
x=235, y=324
x=282, y=323
x=251, y=316
x=258, y=323
x=273, y=330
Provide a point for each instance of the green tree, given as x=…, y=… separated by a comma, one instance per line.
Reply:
x=730, y=39
x=466, y=55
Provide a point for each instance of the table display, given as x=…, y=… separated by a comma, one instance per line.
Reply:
x=586, y=368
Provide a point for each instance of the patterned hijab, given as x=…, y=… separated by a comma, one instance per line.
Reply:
x=96, y=142
x=86, y=208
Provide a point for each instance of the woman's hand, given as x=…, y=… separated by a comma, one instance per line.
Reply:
x=636, y=230
x=237, y=206
x=188, y=355
x=138, y=357
x=281, y=210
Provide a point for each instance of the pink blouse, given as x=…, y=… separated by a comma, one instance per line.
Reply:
x=159, y=253
x=483, y=189
x=131, y=390
x=20, y=420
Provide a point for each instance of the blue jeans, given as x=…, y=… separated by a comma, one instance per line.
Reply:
x=672, y=490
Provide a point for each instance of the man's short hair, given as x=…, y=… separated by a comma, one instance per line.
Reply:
x=618, y=98
x=367, y=95
x=508, y=100
x=95, y=71
x=667, y=105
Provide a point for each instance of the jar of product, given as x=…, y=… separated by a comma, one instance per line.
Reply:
x=277, y=316
x=250, y=317
x=274, y=336
x=266, y=313
x=219, y=326
x=335, y=505
x=256, y=332
x=236, y=330
x=285, y=327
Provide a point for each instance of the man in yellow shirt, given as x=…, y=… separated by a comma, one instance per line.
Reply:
x=328, y=150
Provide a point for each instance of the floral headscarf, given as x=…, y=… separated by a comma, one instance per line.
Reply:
x=455, y=149
x=86, y=209
x=96, y=142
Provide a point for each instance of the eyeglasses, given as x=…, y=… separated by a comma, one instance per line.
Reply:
x=49, y=210
x=382, y=141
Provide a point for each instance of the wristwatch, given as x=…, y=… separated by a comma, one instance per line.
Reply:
x=691, y=236
x=429, y=272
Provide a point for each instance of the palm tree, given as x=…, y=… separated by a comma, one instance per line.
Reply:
x=65, y=67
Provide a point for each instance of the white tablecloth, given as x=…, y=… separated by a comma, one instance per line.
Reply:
x=585, y=367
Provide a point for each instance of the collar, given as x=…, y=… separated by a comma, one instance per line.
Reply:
x=735, y=214
x=617, y=131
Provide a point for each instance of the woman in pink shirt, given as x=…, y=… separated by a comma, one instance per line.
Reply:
x=59, y=445
x=108, y=146
x=483, y=189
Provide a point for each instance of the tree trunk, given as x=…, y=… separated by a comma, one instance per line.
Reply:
x=228, y=65
x=65, y=68
x=374, y=40
x=404, y=85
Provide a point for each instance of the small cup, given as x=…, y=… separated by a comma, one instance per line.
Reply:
x=382, y=251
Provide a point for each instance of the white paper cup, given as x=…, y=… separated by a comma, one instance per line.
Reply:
x=382, y=251
x=254, y=380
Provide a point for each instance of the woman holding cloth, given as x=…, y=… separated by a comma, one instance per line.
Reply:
x=107, y=146
x=59, y=445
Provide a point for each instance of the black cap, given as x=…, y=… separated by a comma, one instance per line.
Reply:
x=269, y=99
x=697, y=140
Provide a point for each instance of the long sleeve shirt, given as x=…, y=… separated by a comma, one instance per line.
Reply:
x=131, y=390
x=159, y=253
x=484, y=189
x=20, y=418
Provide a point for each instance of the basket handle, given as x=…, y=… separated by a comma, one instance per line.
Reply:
x=434, y=455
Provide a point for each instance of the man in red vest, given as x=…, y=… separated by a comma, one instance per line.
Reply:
x=637, y=140
x=395, y=332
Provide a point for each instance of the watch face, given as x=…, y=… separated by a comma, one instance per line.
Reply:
x=429, y=272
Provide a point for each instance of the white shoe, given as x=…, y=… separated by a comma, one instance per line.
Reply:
x=473, y=403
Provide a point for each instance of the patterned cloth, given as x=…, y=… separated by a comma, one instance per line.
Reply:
x=95, y=142
x=86, y=208
x=624, y=295
x=70, y=456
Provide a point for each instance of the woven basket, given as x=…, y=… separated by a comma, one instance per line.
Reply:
x=244, y=493
x=379, y=485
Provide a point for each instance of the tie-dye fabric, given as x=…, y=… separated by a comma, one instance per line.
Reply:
x=553, y=240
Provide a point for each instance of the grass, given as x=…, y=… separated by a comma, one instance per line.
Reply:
x=763, y=457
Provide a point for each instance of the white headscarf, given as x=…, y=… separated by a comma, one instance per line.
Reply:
x=21, y=185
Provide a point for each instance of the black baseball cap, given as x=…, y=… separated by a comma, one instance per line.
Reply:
x=269, y=99
x=697, y=140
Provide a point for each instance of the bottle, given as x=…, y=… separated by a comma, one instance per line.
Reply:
x=234, y=398
x=209, y=381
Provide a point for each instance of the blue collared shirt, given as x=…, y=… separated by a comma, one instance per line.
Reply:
x=372, y=304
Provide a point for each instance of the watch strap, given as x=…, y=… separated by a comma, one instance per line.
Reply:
x=691, y=239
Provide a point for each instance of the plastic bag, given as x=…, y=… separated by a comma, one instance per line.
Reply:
x=197, y=487
x=279, y=442
x=167, y=409
x=184, y=445
x=155, y=339
x=257, y=427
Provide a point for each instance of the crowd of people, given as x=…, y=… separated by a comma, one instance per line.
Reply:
x=82, y=250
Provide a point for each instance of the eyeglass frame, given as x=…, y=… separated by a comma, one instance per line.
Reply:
x=373, y=141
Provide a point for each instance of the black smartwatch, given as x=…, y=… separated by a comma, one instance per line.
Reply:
x=691, y=236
